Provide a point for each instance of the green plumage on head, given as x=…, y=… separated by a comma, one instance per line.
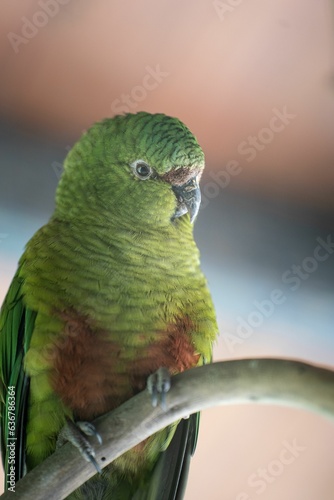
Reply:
x=99, y=169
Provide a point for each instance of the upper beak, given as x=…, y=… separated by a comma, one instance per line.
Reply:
x=188, y=198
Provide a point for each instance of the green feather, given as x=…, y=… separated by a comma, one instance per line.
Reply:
x=16, y=326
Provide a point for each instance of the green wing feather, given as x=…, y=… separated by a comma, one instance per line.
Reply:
x=169, y=477
x=16, y=326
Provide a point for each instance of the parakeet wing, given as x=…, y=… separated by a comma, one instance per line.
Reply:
x=169, y=477
x=16, y=326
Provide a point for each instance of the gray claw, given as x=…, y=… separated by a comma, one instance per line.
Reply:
x=76, y=434
x=158, y=384
x=89, y=429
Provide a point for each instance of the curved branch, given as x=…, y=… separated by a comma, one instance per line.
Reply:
x=263, y=381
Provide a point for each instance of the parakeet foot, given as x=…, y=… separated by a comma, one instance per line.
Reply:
x=76, y=434
x=158, y=384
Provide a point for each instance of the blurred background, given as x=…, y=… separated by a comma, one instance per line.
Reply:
x=255, y=82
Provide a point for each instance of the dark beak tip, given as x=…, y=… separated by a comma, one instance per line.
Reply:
x=193, y=217
x=189, y=199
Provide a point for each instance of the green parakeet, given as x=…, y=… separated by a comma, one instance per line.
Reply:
x=106, y=293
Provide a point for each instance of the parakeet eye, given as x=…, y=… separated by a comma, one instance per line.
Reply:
x=141, y=169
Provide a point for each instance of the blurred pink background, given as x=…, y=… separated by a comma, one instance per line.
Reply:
x=255, y=82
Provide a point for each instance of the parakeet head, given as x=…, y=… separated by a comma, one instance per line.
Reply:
x=140, y=167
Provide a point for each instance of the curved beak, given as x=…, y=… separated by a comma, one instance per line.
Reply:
x=188, y=199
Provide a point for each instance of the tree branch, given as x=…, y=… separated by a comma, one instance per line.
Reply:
x=263, y=381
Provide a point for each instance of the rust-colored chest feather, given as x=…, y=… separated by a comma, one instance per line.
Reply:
x=94, y=373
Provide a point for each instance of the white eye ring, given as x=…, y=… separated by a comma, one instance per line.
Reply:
x=142, y=170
